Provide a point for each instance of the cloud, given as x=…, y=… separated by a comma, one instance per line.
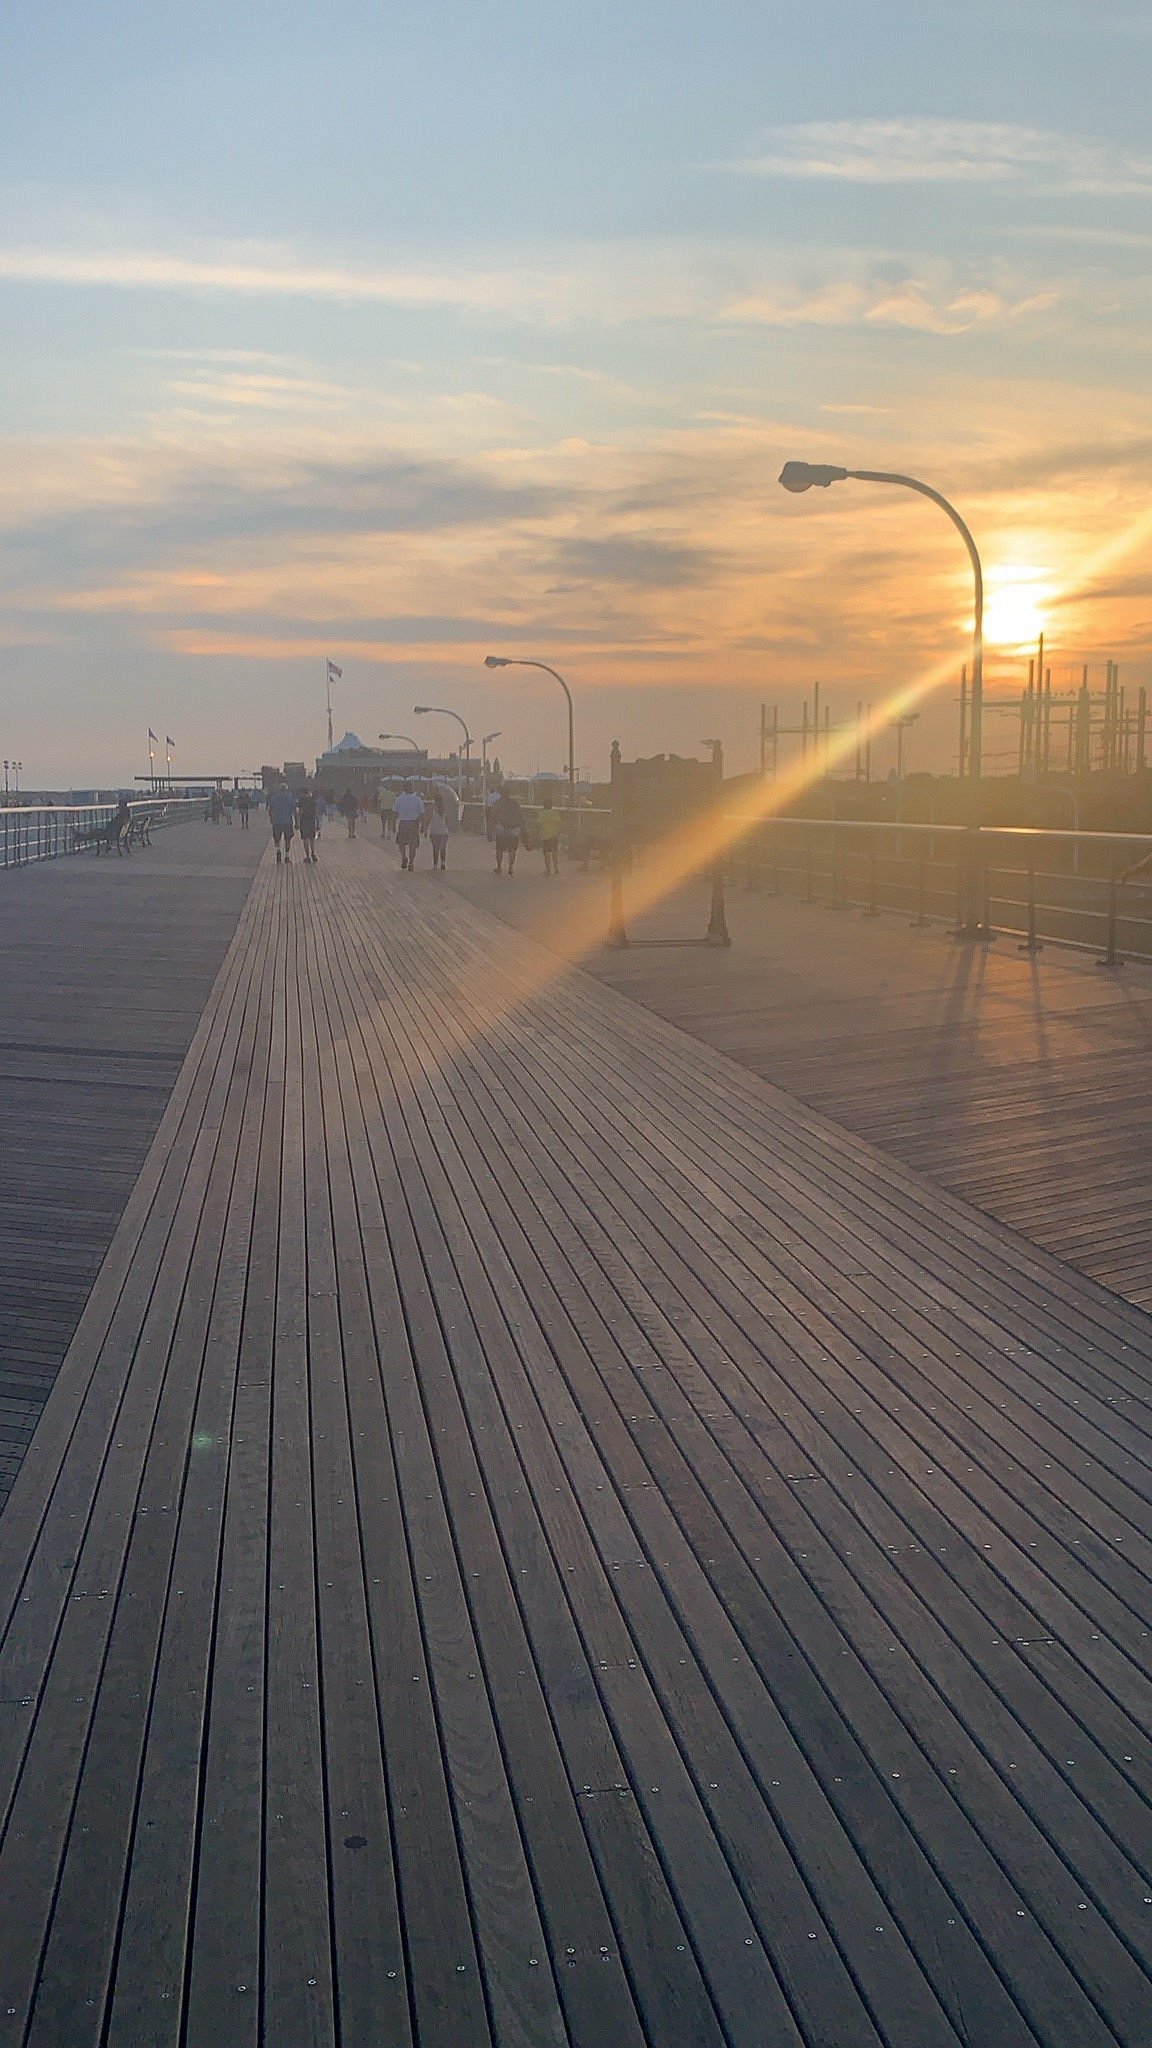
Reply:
x=1044, y=466
x=638, y=562
x=277, y=273
x=908, y=302
x=260, y=390
x=544, y=287
x=924, y=150
x=140, y=508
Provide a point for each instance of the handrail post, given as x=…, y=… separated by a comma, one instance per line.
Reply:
x=921, y=917
x=968, y=922
x=1031, y=944
x=1110, y=957
x=717, y=933
x=617, y=932
x=873, y=908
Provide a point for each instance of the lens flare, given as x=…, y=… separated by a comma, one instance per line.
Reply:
x=1015, y=614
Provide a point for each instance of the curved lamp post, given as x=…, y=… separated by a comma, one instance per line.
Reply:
x=516, y=661
x=422, y=709
x=405, y=736
x=800, y=476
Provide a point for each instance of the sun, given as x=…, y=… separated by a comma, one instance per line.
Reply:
x=1014, y=611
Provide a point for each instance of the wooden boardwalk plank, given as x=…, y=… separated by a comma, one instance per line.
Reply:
x=1015, y=1932
x=107, y=966
x=1014, y=1081
x=541, y=1538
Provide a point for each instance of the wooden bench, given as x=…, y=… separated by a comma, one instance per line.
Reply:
x=101, y=837
x=112, y=833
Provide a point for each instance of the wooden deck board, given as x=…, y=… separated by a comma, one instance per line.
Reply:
x=541, y=1537
x=1015, y=1081
x=107, y=966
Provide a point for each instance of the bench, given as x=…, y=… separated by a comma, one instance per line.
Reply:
x=113, y=832
x=101, y=838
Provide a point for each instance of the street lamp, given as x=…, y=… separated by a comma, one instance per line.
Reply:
x=800, y=476
x=422, y=709
x=484, y=746
x=408, y=742
x=515, y=661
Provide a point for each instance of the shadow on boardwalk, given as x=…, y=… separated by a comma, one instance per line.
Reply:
x=542, y=1539
x=1018, y=1082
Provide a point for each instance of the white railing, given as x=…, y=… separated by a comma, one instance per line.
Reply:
x=32, y=832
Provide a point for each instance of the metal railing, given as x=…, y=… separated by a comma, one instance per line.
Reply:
x=32, y=832
x=1057, y=887
x=586, y=823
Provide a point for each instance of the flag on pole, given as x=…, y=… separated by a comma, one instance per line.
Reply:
x=170, y=742
x=333, y=670
x=151, y=734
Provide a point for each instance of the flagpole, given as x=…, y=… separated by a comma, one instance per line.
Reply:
x=151, y=762
x=328, y=679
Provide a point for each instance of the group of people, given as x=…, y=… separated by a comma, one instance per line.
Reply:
x=505, y=827
x=303, y=811
x=223, y=802
x=226, y=803
x=413, y=816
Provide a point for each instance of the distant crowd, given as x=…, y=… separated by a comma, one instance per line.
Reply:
x=420, y=813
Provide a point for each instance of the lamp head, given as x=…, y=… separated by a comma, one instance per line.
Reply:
x=421, y=708
x=800, y=476
x=496, y=660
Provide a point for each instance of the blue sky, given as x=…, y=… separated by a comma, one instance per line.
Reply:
x=404, y=334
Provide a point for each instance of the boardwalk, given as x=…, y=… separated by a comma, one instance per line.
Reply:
x=1017, y=1081
x=541, y=1538
x=107, y=966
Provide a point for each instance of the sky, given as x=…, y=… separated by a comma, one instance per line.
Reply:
x=404, y=334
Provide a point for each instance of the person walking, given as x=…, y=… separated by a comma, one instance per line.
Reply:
x=549, y=827
x=307, y=821
x=409, y=810
x=350, y=806
x=244, y=806
x=282, y=818
x=438, y=830
x=508, y=821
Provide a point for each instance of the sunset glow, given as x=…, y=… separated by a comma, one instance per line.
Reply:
x=257, y=418
x=1015, y=612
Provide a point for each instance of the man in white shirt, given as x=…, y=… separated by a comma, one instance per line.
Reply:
x=408, y=809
